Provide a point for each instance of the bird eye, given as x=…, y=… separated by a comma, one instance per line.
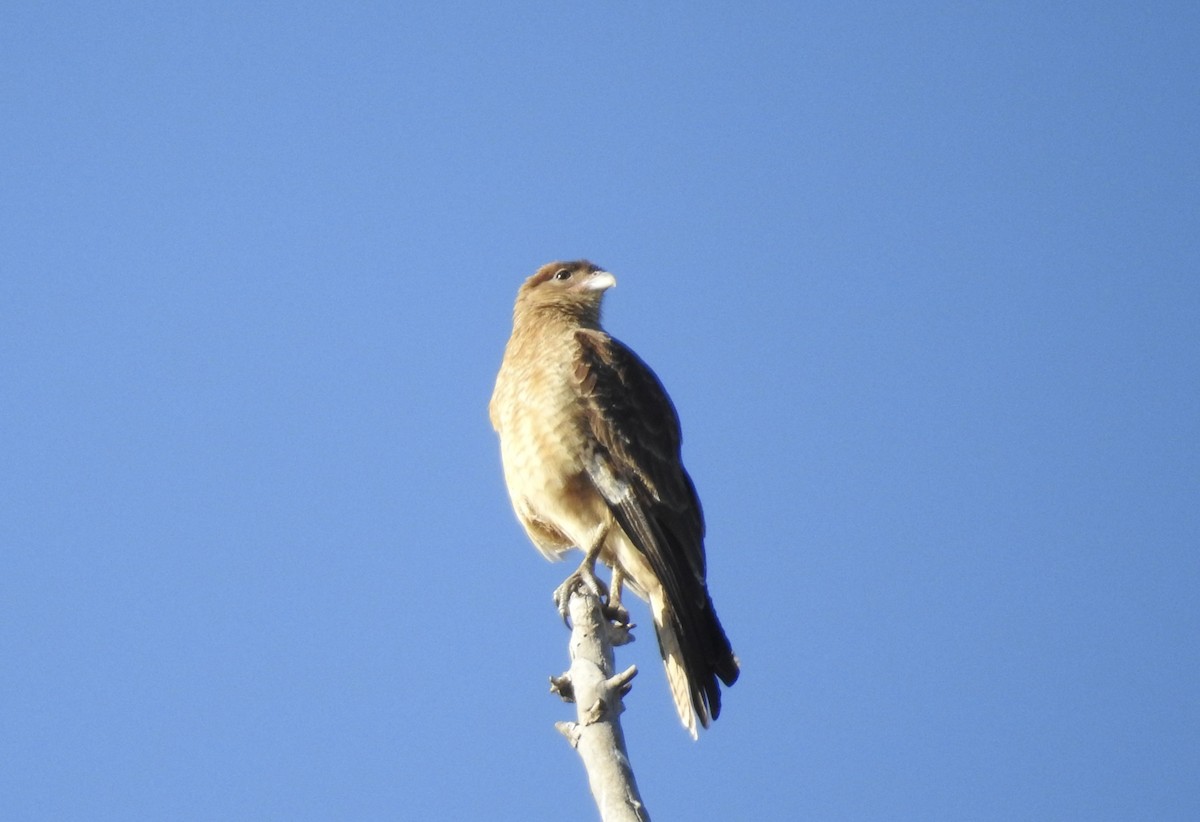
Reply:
x=562, y=274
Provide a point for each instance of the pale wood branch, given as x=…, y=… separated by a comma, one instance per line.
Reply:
x=597, y=693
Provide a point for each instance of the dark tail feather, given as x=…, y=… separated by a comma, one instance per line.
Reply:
x=707, y=657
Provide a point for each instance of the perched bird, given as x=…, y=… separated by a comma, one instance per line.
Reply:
x=590, y=445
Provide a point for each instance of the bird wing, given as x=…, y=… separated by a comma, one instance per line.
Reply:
x=636, y=464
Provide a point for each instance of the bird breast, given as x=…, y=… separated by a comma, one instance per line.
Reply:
x=543, y=444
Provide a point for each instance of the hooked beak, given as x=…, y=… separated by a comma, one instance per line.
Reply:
x=599, y=281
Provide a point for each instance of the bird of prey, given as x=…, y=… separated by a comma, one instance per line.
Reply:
x=591, y=449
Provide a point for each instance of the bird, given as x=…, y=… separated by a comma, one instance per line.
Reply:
x=590, y=446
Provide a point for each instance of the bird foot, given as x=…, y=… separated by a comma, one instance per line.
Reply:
x=617, y=614
x=585, y=578
x=619, y=626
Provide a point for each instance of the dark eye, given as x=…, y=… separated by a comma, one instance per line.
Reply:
x=562, y=274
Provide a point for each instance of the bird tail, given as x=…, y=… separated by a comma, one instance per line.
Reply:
x=695, y=652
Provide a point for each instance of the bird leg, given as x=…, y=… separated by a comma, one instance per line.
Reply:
x=584, y=575
x=613, y=609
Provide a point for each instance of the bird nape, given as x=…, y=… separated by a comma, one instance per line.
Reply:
x=590, y=444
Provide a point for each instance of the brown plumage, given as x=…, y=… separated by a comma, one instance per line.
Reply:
x=590, y=444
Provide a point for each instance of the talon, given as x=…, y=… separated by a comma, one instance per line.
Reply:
x=584, y=575
x=562, y=598
x=587, y=575
x=616, y=613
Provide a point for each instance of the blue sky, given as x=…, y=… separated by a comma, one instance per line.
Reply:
x=923, y=282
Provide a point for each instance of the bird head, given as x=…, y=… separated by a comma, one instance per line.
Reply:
x=573, y=288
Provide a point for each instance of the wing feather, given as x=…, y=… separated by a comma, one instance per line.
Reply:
x=636, y=466
x=637, y=428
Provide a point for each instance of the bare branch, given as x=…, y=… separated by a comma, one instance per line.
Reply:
x=596, y=691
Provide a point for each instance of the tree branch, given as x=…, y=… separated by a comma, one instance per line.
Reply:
x=596, y=691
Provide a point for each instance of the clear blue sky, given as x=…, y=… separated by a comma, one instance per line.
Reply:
x=924, y=284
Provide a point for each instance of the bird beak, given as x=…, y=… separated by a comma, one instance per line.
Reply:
x=599, y=281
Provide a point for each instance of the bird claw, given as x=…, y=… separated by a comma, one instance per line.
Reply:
x=616, y=613
x=585, y=578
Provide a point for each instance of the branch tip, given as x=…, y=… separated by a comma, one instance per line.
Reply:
x=563, y=686
x=569, y=730
x=621, y=683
